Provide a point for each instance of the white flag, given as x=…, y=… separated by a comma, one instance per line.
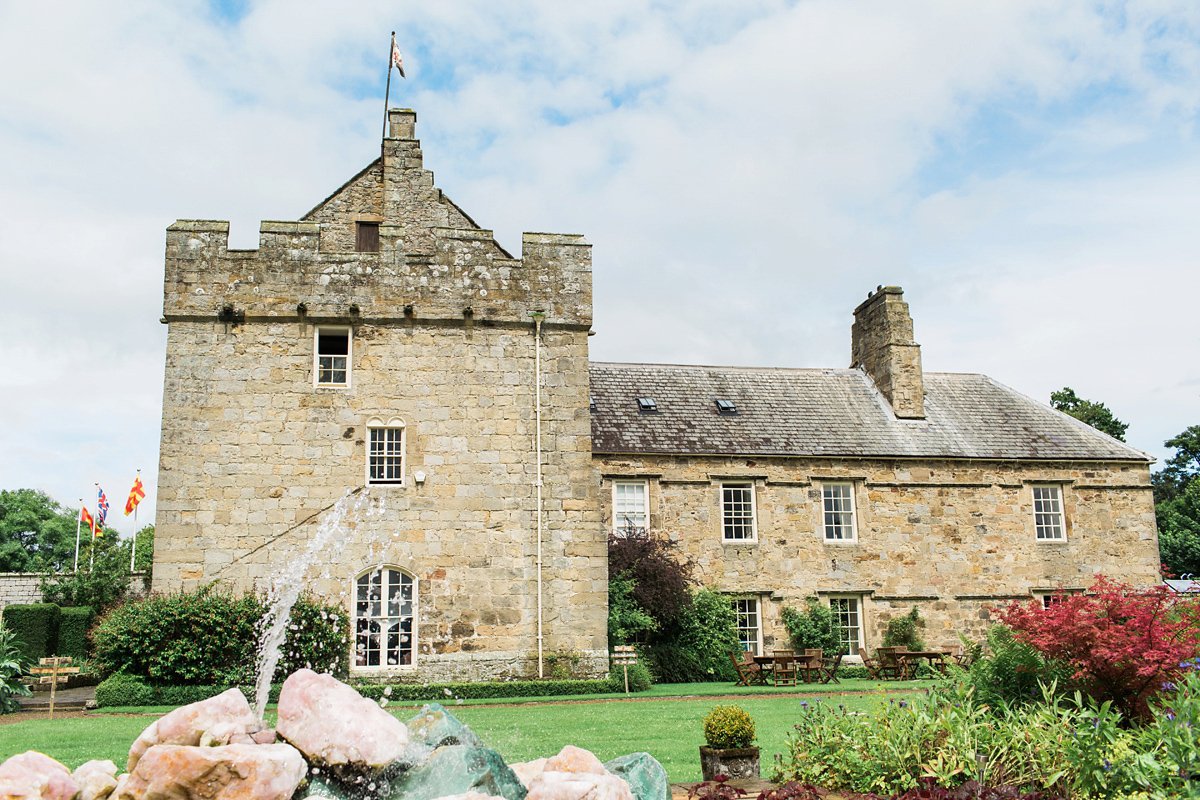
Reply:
x=397, y=62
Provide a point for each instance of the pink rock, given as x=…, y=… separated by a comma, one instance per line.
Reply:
x=264, y=737
x=335, y=726
x=96, y=779
x=228, y=772
x=222, y=717
x=575, y=759
x=553, y=785
x=528, y=771
x=36, y=776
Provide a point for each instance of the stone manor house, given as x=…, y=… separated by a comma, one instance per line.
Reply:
x=381, y=386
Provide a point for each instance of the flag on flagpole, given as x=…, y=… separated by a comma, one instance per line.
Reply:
x=397, y=62
x=101, y=507
x=135, y=496
x=87, y=520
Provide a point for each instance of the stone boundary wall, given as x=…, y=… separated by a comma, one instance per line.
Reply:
x=22, y=588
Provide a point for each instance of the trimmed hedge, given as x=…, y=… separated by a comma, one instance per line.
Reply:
x=73, y=628
x=34, y=627
x=126, y=690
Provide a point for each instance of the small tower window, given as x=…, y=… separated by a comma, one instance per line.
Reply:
x=366, y=239
x=646, y=405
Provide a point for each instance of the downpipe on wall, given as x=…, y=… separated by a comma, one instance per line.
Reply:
x=538, y=316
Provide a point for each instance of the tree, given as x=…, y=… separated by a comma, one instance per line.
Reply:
x=144, y=554
x=1097, y=415
x=814, y=627
x=36, y=533
x=1177, y=504
x=102, y=579
x=1123, y=643
x=660, y=574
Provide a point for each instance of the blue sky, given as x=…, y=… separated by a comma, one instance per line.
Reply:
x=746, y=170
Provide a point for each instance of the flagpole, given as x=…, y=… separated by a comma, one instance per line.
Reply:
x=95, y=527
x=78, y=525
x=133, y=550
x=386, y=93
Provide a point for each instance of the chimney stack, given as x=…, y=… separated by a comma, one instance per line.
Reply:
x=882, y=344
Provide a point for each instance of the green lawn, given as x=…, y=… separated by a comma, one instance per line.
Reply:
x=665, y=722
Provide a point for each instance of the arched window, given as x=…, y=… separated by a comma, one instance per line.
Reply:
x=384, y=613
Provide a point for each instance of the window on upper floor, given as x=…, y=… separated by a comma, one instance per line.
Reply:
x=837, y=512
x=1050, y=597
x=1048, y=514
x=749, y=631
x=366, y=237
x=331, y=357
x=385, y=452
x=630, y=510
x=737, y=512
x=385, y=618
x=847, y=614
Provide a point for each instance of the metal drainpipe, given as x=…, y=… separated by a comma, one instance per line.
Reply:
x=538, y=316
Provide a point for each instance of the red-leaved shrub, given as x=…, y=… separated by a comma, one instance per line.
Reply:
x=1124, y=643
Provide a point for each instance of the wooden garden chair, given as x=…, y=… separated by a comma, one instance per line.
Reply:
x=783, y=671
x=829, y=668
x=872, y=664
x=748, y=671
x=811, y=664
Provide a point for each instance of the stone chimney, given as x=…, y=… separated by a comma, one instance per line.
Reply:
x=882, y=344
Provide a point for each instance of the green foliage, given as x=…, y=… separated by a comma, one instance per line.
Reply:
x=143, y=554
x=34, y=627
x=696, y=648
x=1014, y=672
x=36, y=533
x=812, y=628
x=1097, y=415
x=122, y=689
x=659, y=573
x=626, y=619
x=11, y=668
x=101, y=581
x=903, y=631
x=73, y=627
x=728, y=728
x=208, y=637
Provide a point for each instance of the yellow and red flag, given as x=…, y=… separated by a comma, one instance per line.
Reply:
x=135, y=496
x=86, y=518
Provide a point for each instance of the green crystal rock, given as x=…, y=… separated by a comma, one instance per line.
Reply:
x=457, y=769
x=646, y=777
x=434, y=726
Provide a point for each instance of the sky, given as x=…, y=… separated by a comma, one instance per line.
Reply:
x=746, y=170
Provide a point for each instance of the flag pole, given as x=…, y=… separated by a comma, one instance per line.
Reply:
x=78, y=525
x=133, y=550
x=95, y=527
x=386, y=92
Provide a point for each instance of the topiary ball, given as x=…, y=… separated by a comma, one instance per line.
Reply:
x=728, y=728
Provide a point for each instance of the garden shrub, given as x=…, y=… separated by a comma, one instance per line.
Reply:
x=126, y=690
x=902, y=631
x=660, y=573
x=639, y=681
x=1123, y=643
x=696, y=648
x=626, y=619
x=11, y=668
x=1014, y=672
x=813, y=627
x=123, y=690
x=35, y=629
x=209, y=637
x=728, y=728
x=73, y=628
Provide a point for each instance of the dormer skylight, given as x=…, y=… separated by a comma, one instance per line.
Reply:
x=592, y=403
x=646, y=405
x=726, y=408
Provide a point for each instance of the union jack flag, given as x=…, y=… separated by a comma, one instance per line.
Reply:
x=101, y=507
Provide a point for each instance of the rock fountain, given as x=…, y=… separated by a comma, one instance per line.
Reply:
x=329, y=742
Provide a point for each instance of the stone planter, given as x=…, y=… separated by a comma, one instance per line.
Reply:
x=738, y=763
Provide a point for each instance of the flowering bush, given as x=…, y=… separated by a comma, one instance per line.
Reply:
x=1123, y=643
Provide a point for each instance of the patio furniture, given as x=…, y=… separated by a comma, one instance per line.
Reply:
x=810, y=665
x=891, y=665
x=829, y=668
x=911, y=658
x=872, y=664
x=748, y=671
x=783, y=669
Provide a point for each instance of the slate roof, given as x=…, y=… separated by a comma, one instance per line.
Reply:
x=829, y=412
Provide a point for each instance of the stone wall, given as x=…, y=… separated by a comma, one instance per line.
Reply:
x=255, y=456
x=953, y=537
x=23, y=588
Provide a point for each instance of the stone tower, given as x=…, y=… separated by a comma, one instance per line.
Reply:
x=387, y=348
